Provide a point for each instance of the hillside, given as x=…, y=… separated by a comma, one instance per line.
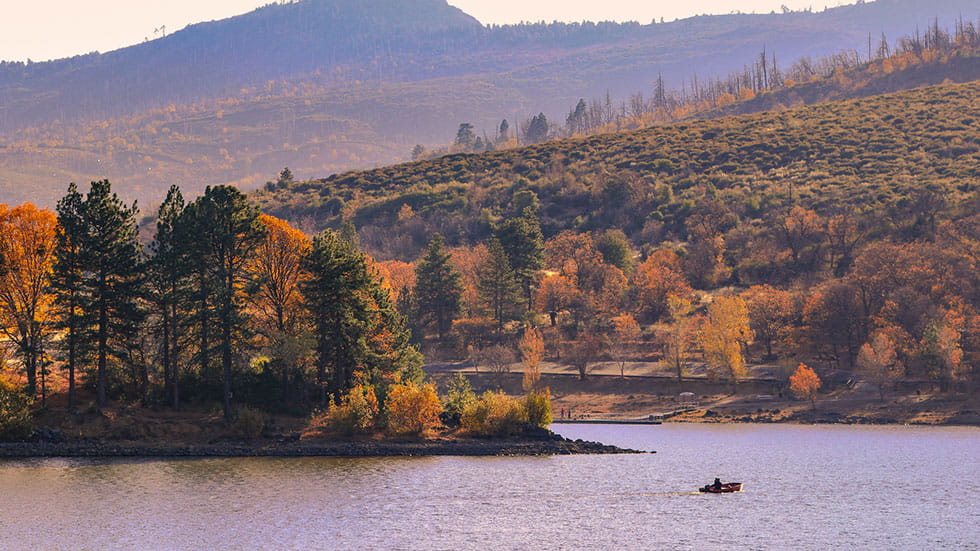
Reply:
x=871, y=157
x=324, y=86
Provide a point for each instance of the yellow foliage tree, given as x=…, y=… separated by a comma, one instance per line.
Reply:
x=724, y=335
x=356, y=413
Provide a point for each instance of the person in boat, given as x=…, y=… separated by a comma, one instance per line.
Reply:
x=717, y=484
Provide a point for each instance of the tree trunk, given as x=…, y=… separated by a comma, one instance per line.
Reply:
x=102, y=382
x=167, y=373
x=72, y=345
x=31, y=376
x=226, y=345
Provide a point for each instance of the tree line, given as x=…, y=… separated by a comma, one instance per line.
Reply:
x=848, y=304
x=224, y=304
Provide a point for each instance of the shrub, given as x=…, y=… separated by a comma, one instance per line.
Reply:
x=459, y=396
x=538, y=408
x=495, y=414
x=15, y=414
x=248, y=424
x=356, y=414
x=412, y=409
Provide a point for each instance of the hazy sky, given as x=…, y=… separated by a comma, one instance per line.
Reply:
x=48, y=29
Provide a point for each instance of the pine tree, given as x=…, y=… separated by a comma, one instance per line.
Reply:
x=437, y=290
x=357, y=328
x=168, y=287
x=67, y=281
x=498, y=286
x=537, y=129
x=230, y=235
x=199, y=311
x=523, y=243
x=111, y=258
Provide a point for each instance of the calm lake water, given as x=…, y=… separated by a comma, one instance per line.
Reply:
x=819, y=488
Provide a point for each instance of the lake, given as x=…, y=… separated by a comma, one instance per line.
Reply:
x=806, y=487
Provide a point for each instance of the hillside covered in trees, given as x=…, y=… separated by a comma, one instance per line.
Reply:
x=841, y=235
x=324, y=86
x=873, y=156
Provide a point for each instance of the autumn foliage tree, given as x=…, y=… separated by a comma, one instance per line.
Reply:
x=532, y=354
x=680, y=334
x=805, y=383
x=27, y=254
x=724, y=335
x=942, y=349
x=277, y=302
x=658, y=277
x=878, y=362
x=770, y=314
x=622, y=343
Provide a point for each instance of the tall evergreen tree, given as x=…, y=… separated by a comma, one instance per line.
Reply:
x=437, y=289
x=537, y=129
x=498, y=286
x=67, y=281
x=357, y=327
x=194, y=253
x=111, y=257
x=168, y=288
x=523, y=243
x=231, y=233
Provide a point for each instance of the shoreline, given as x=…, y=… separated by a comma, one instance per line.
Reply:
x=555, y=445
x=719, y=416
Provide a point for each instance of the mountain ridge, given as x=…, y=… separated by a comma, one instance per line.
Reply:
x=146, y=124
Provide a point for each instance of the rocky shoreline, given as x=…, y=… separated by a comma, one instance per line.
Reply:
x=553, y=445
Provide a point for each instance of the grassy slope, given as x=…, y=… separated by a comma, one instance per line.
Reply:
x=862, y=154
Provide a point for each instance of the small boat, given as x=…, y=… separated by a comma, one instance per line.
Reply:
x=728, y=488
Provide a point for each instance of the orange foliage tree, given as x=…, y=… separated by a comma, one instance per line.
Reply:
x=805, y=383
x=623, y=342
x=469, y=261
x=554, y=294
x=942, y=349
x=532, y=353
x=878, y=362
x=657, y=278
x=398, y=276
x=801, y=230
x=278, y=302
x=27, y=248
x=770, y=313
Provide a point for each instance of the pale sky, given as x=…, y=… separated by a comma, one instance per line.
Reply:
x=50, y=29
